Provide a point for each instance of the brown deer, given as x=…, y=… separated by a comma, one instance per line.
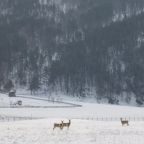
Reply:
x=67, y=124
x=60, y=125
x=124, y=122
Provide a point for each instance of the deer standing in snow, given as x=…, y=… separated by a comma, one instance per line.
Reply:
x=67, y=124
x=60, y=125
x=124, y=122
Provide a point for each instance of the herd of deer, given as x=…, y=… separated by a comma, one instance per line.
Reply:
x=62, y=124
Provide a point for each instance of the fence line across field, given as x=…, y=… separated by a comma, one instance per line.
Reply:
x=112, y=118
x=7, y=119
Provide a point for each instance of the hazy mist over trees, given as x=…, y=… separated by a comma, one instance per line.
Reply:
x=79, y=47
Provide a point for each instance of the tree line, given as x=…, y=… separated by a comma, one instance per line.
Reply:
x=90, y=48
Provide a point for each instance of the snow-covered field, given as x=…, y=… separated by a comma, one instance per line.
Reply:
x=81, y=130
x=88, y=110
x=29, y=101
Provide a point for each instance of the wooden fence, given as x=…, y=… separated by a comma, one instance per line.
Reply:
x=8, y=119
x=112, y=118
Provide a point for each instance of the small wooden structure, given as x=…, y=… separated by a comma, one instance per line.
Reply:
x=12, y=93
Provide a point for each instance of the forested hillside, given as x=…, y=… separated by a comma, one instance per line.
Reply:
x=79, y=47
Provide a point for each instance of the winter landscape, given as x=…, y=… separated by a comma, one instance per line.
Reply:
x=71, y=71
x=90, y=123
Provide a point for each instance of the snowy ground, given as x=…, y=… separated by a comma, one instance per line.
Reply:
x=29, y=101
x=83, y=131
x=88, y=110
x=80, y=131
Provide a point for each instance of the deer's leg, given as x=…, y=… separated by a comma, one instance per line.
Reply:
x=62, y=128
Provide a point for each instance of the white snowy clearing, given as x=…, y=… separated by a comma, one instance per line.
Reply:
x=29, y=101
x=90, y=124
x=80, y=132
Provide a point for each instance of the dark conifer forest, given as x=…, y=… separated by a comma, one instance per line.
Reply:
x=78, y=47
